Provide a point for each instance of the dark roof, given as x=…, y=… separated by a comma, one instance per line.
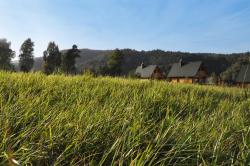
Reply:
x=145, y=72
x=185, y=70
x=244, y=74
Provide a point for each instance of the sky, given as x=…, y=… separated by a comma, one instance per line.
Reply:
x=218, y=26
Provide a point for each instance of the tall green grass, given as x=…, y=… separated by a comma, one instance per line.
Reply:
x=81, y=120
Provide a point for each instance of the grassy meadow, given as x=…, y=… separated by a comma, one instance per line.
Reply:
x=82, y=120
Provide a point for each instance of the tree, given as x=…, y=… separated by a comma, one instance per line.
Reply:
x=231, y=72
x=114, y=62
x=68, y=60
x=52, y=58
x=26, y=60
x=214, y=78
x=6, y=54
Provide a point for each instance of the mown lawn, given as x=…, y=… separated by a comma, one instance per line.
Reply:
x=58, y=120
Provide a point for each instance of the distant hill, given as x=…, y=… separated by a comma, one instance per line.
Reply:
x=94, y=59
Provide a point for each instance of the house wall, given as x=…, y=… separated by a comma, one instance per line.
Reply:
x=182, y=80
x=157, y=74
x=201, y=74
x=245, y=85
x=174, y=80
x=186, y=80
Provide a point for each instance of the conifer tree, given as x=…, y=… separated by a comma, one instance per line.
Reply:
x=52, y=58
x=26, y=57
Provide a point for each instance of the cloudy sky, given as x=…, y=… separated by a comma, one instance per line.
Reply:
x=220, y=26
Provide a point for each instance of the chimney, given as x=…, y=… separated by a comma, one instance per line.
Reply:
x=181, y=62
x=142, y=65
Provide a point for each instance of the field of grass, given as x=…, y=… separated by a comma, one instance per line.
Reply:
x=58, y=120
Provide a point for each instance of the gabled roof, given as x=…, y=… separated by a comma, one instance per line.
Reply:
x=244, y=74
x=145, y=72
x=185, y=70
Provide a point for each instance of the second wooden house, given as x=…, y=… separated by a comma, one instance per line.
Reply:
x=191, y=72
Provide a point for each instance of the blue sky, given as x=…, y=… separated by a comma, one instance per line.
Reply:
x=221, y=26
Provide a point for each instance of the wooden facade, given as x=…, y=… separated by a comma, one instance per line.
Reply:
x=200, y=76
x=243, y=85
x=157, y=74
x=181, y=80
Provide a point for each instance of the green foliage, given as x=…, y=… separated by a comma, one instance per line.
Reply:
x=132, y=74
x=6, y=54
x=68, y=60
x=52, y=58
x=88, y=72
x=231, y=72
x=216, y=63
x=114, y=63
x=103, y=70
x=82, y=120
x=26, y=57
x=214, y=78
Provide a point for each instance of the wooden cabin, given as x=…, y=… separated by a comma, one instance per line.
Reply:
x=243, y=77
x=191, y=72
x=149, y=72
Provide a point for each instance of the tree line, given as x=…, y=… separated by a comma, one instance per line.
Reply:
x=119, y=62
x=222, y=66
x=54, y=60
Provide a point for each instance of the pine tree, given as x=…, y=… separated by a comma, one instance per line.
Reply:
x=52, y=58
x=114, y=63
x=26, y=56
x=68, y=60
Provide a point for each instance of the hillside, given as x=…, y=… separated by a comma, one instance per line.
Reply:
x=58, y=120
x=94, y=59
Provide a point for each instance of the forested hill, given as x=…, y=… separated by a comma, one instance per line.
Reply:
x=214, y=62
x=94, y=59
